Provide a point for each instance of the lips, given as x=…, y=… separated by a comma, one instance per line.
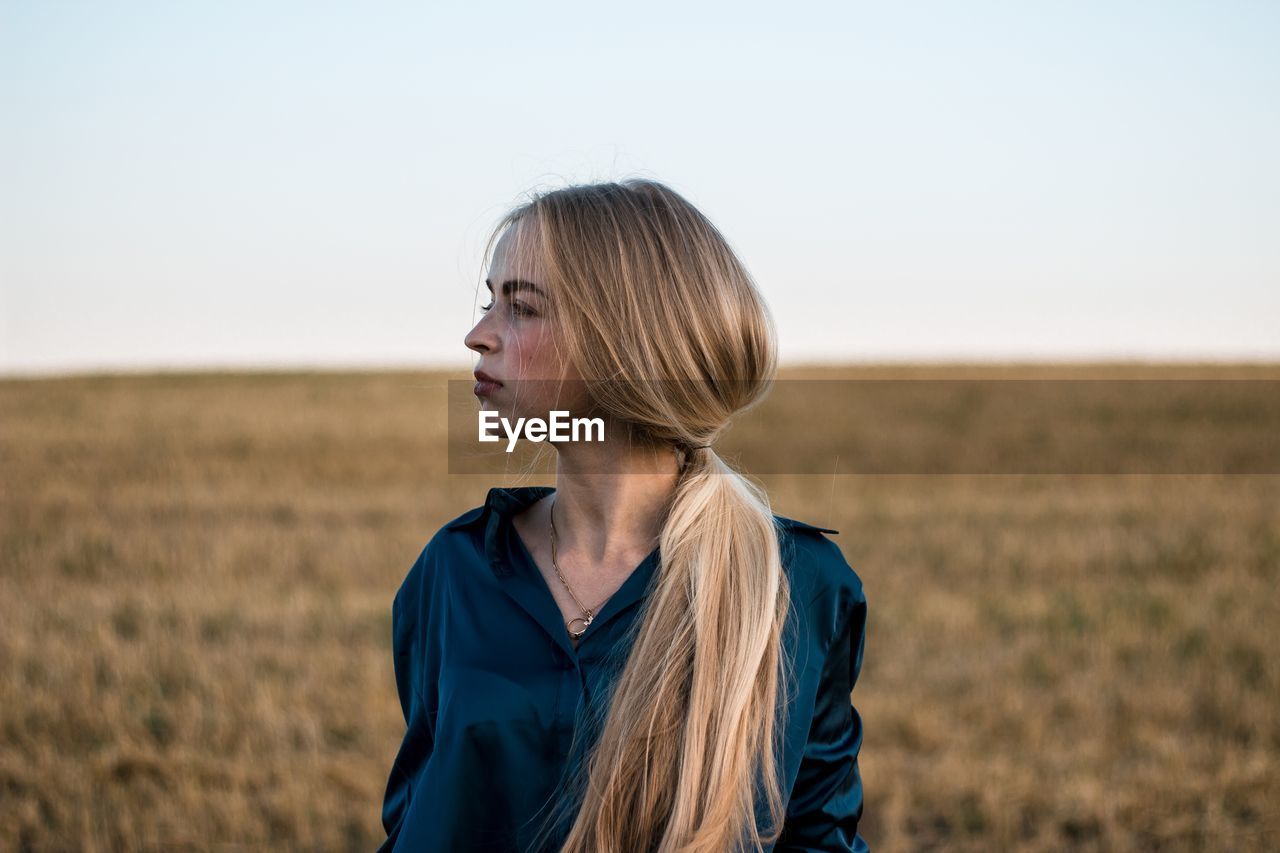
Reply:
x=485, y=384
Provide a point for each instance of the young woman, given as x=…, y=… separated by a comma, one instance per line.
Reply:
x=642, y=657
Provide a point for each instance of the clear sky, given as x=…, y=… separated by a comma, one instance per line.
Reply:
x=277, y=183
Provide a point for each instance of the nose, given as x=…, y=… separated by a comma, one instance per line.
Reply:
x=480, y=338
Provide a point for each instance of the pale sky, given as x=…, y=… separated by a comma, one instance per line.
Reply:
x=276, y=184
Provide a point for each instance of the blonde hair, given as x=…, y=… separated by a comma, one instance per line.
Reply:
x=644, y=287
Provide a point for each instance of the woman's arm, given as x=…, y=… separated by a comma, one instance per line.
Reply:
x=419, y=715
x=826, y=800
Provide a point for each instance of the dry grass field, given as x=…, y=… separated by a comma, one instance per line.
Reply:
x=196, y=574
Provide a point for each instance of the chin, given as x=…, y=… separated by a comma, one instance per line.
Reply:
x=490, y=404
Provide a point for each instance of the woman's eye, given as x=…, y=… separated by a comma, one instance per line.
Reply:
x=517, y=308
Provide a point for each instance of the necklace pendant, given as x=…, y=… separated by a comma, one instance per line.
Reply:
x=578, y=633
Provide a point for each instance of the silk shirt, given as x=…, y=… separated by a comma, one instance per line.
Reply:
x=492, y=687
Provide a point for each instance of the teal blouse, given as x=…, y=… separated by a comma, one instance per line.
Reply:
x=492, y=687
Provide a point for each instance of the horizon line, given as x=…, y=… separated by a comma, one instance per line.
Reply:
x=1102, y=359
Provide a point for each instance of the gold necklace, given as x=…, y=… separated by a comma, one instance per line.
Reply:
x=590, y=614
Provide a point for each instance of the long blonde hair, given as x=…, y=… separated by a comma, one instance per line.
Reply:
x=644, y=287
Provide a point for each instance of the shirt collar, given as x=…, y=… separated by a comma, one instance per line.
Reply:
x=500, y=504
x=506, y=502
x=792, y=524
x=519, y=578
x=521, y=581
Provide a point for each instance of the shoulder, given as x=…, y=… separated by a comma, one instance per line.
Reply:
x=816, y=559
x=446, y=541
x=463, y=529
x=823, y=582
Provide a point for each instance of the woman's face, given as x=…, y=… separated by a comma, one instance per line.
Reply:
x=516, y=342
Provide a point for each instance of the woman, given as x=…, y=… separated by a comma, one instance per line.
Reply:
x=643, y=657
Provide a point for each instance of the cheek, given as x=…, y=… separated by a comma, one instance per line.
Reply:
x=535, y=363
x=549, y=383
x=536, y=354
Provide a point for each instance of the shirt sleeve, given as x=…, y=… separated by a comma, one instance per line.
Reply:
x=419, y=735
x=827, y=798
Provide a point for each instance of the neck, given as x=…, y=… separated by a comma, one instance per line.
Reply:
x=612, y=512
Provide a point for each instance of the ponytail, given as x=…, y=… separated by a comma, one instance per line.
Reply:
x=688, y=748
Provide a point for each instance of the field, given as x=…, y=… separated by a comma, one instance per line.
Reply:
x=196, y=574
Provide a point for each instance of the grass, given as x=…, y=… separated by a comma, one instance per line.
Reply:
x=196, y=574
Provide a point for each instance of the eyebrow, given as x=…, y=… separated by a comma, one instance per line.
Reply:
x=516, y=284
